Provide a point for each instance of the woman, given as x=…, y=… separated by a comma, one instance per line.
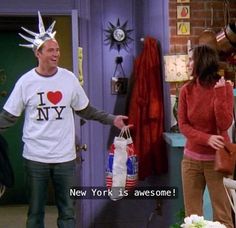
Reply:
x=205, y=113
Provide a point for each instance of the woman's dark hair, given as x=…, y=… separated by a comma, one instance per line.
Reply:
x=206, y=65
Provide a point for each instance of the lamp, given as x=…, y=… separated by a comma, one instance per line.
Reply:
x=176, y=72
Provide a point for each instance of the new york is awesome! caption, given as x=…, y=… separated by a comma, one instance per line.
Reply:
x=137, y=193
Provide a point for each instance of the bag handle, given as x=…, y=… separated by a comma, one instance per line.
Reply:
x=125, y=130
x=122, y=132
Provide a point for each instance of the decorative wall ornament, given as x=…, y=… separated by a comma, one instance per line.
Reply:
x=119, y=82
x=118, y=36
x=183, y=1
x=183, y=28
x=183, y=12
x=80, y=64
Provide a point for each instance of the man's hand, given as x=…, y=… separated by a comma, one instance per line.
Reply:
x=119, y=122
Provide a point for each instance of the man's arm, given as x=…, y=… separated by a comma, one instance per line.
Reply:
x=7, y=120
x=91, y=113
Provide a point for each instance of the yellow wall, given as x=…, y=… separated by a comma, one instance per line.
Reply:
x=64, y=37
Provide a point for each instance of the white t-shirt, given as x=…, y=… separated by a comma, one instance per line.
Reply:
x=48, y=132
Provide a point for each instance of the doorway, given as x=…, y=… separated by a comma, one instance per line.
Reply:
x=14, y=61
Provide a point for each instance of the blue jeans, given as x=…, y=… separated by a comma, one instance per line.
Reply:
x=63, y=177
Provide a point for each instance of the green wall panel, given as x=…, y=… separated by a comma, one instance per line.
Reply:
x=15, y=61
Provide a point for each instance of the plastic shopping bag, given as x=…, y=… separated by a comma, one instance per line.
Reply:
x=122, y=167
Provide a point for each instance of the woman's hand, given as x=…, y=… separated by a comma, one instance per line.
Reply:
x=220, y=83
x=216, y=142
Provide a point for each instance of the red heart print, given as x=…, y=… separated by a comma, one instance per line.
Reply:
x=54, y=97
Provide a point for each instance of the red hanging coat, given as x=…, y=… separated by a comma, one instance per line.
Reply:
x=146, y=111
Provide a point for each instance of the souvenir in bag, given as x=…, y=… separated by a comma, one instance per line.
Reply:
x=122, y=167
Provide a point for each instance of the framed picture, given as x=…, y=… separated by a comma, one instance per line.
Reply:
x=183, y=12
x=183, y=1
x=183, y=28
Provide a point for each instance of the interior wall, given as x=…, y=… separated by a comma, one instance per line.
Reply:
x=99, y=66
x=64, y=37
x=207, y=20
x=201, y=12
x=28, y=7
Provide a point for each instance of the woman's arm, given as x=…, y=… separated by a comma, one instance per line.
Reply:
x=223, y=106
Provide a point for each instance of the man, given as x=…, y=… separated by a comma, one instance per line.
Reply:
x=49, y=95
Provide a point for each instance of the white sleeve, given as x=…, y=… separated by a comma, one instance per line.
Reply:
x=79, y=98
x=14, y=104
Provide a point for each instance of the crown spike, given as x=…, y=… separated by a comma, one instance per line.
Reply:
x=27, y=38
x=27, y=45
x=49, y=30
x=53, y=34
x=30, y=32
x=41, y=25
x=38, y=38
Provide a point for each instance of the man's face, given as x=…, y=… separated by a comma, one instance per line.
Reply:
x=48, y=55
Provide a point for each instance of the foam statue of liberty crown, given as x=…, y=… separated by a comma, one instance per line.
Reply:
x=39, y=38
